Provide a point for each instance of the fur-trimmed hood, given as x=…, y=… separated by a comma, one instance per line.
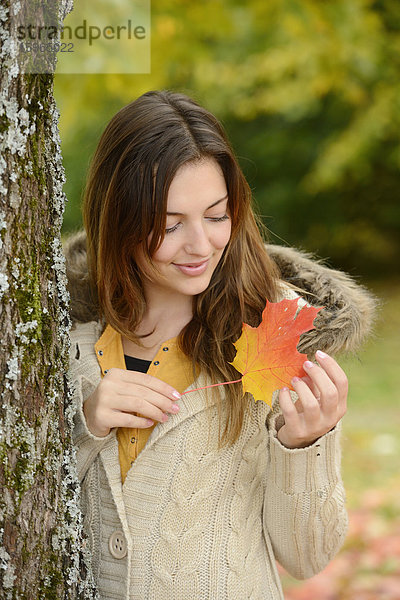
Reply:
x=343, y=324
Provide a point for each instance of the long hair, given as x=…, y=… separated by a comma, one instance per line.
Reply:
x=125, y=200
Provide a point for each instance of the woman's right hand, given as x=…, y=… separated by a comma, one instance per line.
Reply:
x=120, y=394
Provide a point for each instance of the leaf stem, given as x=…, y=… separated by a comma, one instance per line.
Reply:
x=210, y=386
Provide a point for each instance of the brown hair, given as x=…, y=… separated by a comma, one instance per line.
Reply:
x=125, y=199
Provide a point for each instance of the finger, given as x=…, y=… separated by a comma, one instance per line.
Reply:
x=337, y=375
x=294, y=399
x=311, y=385
x=140, y=395
x=131, y=404
x=115, y=394
x=288, y=408
x=298, y=405
x=121, y=419
x=329, y=394
x=310, y=404
x=148, y=381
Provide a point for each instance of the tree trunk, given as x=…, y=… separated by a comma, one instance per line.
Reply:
x=42, y=554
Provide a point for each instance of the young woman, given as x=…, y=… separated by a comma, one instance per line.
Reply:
x=195, y=495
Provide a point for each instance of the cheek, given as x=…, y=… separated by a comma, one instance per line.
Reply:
x=222, y=237
x=166, y=252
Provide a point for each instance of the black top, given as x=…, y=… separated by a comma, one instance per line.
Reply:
x=136, y=364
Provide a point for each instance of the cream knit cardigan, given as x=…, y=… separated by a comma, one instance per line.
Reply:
x=202, y=523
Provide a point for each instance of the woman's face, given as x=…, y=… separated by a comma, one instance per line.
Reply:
x=198, y=228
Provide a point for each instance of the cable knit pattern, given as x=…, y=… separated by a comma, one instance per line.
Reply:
x=310, y=487
x=245, y=517
x=184, y=520
x=92, y=516
x=199, y=522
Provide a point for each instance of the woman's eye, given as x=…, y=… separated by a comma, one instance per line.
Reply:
x=213, y=219
x=171, y=229
x=223, y=218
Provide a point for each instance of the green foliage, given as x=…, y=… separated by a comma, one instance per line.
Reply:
x=309, y=92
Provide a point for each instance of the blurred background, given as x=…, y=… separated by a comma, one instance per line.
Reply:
x=309, y=93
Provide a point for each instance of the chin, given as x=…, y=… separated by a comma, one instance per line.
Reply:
x=195, y=288
x=194, y=291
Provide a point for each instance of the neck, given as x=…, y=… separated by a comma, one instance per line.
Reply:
x=166, y=314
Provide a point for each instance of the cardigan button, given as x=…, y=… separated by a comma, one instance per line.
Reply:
x=117, y=545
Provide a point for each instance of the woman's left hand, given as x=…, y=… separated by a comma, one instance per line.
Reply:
x=322, y=402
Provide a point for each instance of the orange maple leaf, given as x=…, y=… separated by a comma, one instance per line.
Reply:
x=267, y=355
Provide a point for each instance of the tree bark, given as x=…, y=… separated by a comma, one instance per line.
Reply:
x=42, y=553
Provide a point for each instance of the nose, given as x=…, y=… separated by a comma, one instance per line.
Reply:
x=197, y=241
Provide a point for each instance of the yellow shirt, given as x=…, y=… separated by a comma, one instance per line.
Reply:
x=170, y=365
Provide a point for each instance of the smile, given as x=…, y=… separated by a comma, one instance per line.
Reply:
x=193, y=268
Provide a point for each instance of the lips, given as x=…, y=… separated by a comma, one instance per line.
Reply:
x=191, y=264
x=193, y=269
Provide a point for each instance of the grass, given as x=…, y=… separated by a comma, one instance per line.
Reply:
x=371, y=447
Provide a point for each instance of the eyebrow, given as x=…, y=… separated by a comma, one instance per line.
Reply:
x=176, y=214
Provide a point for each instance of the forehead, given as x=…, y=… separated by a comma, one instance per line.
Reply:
x=196, y=183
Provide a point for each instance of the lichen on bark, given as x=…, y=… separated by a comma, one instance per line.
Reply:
x=42, y=553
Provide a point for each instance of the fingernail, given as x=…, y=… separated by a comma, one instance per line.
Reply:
x=295, y=379
x=308, y=364
x=284, y=389
x=175, y=408
x=164, y=418
x=150, y=422
x=176, y=395
x=320, y=354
